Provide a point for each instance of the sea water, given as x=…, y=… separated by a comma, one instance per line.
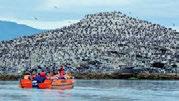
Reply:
x=96, y=90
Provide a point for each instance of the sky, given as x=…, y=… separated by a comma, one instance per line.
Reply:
x=52, y=14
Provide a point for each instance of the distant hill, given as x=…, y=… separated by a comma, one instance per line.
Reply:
x=10, y=30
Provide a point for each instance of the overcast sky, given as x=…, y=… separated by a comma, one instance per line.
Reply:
x=51, y=14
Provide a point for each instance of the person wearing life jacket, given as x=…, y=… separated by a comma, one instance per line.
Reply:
x=34, y=73
x=43, y=74
x=61, y=73
x=27, y=76
x=39, y=79
x=50, y=75
x=68, y=75
x=39, y=69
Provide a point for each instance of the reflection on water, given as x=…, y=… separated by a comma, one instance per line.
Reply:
x=96, y=90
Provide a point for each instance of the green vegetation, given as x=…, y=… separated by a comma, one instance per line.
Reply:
x=5, y=77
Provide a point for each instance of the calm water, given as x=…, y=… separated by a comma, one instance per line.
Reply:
x=96, y=90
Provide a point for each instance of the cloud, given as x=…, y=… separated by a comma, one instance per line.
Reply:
x=47, y=24
x=42, y=24
x=54, y=13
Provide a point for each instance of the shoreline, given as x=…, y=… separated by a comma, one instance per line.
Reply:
x=123, y=76
x=126, y=76
x=7, y=77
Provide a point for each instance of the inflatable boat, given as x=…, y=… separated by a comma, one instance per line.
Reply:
x=48, y=84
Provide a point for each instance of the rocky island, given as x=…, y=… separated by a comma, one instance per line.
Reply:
x=102, y=45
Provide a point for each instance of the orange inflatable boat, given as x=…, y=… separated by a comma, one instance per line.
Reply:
x=49, y=84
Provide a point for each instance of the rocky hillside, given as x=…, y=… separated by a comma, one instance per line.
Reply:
x=107, y=39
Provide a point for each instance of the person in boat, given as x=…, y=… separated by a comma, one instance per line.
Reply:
x=47, y=69
x=58, y=75
x=61, y=73
x=54, y=76
x=34, y=74
x=39, y=69
x=27, y=76
x=68, y=75
x=50, y=75
x=37, y=79
x=40, y=78
x=43, y=74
